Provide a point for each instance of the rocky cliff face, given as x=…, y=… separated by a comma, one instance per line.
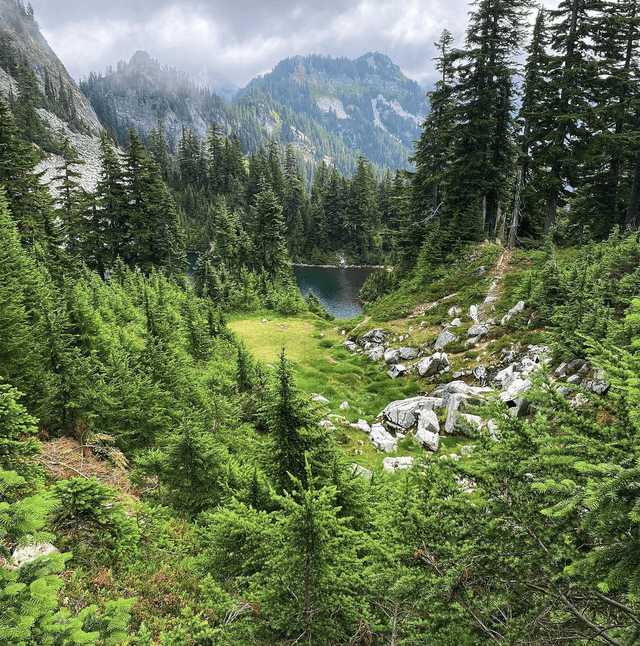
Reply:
x=139, y=93
x=21, y=40
x=29, y=65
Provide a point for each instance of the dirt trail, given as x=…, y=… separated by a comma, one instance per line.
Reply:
x=495, y=289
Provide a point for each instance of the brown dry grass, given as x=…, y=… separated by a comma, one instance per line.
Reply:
x=67, y=458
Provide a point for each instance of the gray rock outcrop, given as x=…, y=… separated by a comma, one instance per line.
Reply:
x=444, y=339
x=383, y=440
x=428, y=433
x=397, y=370
x=429, y=366
x=403, y=414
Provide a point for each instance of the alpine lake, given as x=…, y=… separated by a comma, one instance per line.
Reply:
x=337, y=288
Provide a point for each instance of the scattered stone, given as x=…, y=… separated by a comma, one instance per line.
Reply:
x=362, y=426
x=516, y=309
x=29, y=553
x=598, y=374
x=444, y=339
x=455, y=323
x=481, y=271
x=264, y=320
x=579, y=400
x=492, y=429
x=597, y=386
x=429, y=366
x=383, y=440
x=565, y=391
x=375, y=336
x=574, y=379
x=344, y=332
x=396, y=371
x=585, y=370
x=361, y=471
x=575, y=365
x=344, y=405
x=403, y=414
x=391, y=356
x=376, y=353
x=467, y=450
x=454, y=311
x=473, y=314
x=428, y=433
x=391, y=465
x=319, y=398
x=327, y=425
x=407, y=354
x=480, y=373
x=490, y=300
x=350, y=345
x=477, y=330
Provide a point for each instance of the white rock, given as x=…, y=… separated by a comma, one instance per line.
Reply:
x=22, y=555
x=455, y=323
x=326, y=424
x=428, y=430
x=391, y=465
x=391, y=356
x=383, y=440
x=454, y=311
x=477, y=330
x=344, y=405
x=396, y=371
x=362, y=426
x=319, y=398
x=473, y=314
x=358, y=470
x=444, y=339
x=403, y=414
x=516, y=309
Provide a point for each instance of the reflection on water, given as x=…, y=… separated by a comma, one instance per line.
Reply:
x=336, y=287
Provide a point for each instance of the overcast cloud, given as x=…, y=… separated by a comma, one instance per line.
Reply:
x=240, y=40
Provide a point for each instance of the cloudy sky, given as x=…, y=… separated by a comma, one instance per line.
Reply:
x=242, y=39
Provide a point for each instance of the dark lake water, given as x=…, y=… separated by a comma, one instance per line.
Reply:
x=336, y=287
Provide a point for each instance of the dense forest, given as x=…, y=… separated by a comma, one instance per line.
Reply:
x=198, y=496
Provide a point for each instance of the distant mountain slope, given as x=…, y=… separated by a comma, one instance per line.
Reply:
x=328, y=109
x=368, y=102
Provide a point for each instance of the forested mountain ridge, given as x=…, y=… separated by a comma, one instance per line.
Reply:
x=385, y=108
x=368, y=102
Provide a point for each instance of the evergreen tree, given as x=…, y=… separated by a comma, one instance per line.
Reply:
x=28, y=201
x=482, y=151
x=269, y=238
x=72, y=202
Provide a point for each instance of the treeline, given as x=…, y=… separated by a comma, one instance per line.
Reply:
x=555, y=154
x=256, y=116
x=218, y=193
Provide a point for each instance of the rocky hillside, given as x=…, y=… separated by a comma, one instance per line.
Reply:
x=45, y=101
x=328, y=109
x=21, y=41
x=368, y=102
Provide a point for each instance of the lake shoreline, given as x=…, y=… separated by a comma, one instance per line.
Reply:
x=303, y=264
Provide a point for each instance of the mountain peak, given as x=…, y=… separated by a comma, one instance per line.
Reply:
x=143, y=60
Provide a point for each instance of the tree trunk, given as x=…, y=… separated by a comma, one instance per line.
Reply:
x=552, y=207
x=517, y=212
x=633, y=212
